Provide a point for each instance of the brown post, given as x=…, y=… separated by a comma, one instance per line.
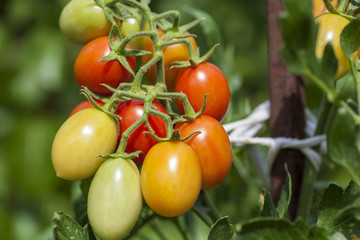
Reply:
x=287, y=98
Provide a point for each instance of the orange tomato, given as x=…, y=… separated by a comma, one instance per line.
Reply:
x=172, y=53
x=171, y=178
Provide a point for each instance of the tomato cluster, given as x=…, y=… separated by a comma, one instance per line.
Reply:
x=165, y=131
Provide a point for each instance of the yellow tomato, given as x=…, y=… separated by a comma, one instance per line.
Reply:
x=330, y=27
x=171, y=178
x=80, y=140
x=320, y=8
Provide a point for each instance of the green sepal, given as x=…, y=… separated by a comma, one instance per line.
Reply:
x=221, y=230
x=350, y=38
x=122, y=155
x=65, y=227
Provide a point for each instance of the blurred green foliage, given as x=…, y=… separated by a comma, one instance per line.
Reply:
x=38, y=91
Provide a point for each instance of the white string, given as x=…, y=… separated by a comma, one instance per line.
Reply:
x=243, y=131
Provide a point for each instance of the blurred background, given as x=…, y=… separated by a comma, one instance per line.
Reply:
x=38, y=91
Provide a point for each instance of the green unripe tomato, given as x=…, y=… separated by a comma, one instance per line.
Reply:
x=80, y=140
x=115, y=200
x=83, y=20
x=132, y=25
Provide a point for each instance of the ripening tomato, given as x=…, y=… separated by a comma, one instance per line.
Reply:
x=320, y=8
x=80, y=140
x=330, y=28
x=171, y=178
x=212, y=147
x=130, y=112
x=132, y=25
x=83, y=20
x=204, y=78
x=115, y=200
x=91, y=72
x=85, y=104
x=172, y=53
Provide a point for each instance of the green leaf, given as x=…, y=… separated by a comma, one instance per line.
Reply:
x=331, y=203
x=340, y=209
x=342, y=135
x=318, y=233
x=350, y=38
x=281, y=229
x=285, y=196
x=269, y=209
x=346, y=88
x=221, y=230
x=64, y=228
x=349, y=223
x=353, y=6
x=274, y=229
x=328, y=66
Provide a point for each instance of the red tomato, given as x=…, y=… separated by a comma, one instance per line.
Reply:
x=172, y=53
x=212, y=146
x=171, y=178
x=85, y=104
x=130, y=112
x=91, y=72
x=204, y=78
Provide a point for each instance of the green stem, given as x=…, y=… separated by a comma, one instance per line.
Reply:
x=167, y=119
x=309, y=171
x=127, y=132
x=356, y=76
x=205, y=220
x=192, y=54
x=342, y=6
x=173, y=14
x=189, y=111
x=141, y=72
x=214, y=212
x=181, y=230
x=137, y=227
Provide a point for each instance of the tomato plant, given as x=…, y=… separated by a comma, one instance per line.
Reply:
x=132, y=25
x=79, y=142
x=208, y=79
x=115, y=200
x=212, y=146
x=170, y=178
x=172, y=53
x=85, y=104
x=89, y=71
x=130, y=112
x=330, y=27
x=83, y=20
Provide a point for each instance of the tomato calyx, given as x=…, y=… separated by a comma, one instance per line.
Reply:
x=124, y=155
x=195, y=59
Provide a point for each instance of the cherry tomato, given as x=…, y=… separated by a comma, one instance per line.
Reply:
x=80, y=140
x=320, y=8
x=130, y=112
x=91, y=72
x=115, y=200
x=172, y=53
x=85, y=104
x=171, y=178
x=132, y=25
x=330, y=27
x=204, y=78
x=83, y=20
x=212, y=147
